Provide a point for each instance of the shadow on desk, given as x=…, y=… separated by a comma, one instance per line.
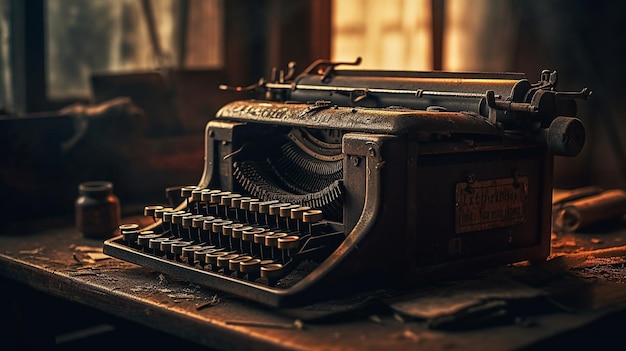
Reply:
x=35, y=321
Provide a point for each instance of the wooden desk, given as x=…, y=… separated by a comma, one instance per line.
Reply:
x=47, y=265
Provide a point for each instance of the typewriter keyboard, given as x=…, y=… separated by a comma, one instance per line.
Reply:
x=219, y=234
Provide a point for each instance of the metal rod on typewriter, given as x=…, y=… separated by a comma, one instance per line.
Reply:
x=285, y=213
x=244, y=205
x=177, y=221
x=207, y=224
x=417, y=93
x=311, y=217
x=196, y=197
x=167, y=218
x=235, y=203
x=158, y=215
x=228, y=232
x=271, y=241
x=296, y=214
x=205, y=198
x=230, y=210
x=194, y=232
x=216, y=201
x=274, y=212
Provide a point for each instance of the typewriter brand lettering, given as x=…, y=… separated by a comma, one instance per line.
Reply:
x=264, y=111
x=490, y=204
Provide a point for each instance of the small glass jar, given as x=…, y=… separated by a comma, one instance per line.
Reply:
x=98, y=212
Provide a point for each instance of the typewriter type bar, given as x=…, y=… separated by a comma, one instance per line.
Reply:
x=364, y=188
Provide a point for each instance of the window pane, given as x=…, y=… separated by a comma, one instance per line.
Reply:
x=394, y=35
x=97, y=36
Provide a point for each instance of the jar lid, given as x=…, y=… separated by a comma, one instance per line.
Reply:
x=96, y=187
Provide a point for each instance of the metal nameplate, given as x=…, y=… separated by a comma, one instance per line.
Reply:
x=489, y=204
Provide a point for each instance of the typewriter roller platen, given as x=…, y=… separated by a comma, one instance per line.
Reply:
x=336, y=181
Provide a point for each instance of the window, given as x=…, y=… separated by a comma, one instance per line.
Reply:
x=393, y=35
x=475, y=35
x=115, y=36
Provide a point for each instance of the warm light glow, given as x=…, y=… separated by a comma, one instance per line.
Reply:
x=393, y=35
x=478, y=35
x=397, y=34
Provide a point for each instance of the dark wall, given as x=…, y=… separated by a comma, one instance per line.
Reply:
x=584, y=42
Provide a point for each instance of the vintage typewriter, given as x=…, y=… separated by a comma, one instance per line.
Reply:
x=335, y=181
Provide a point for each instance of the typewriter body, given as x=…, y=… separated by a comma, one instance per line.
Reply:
x=335, y=181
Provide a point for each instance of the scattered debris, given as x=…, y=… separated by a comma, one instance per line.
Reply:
x=398, y=317
x=98, y=256
x=406, y=334
x=32, y=252
x=214, y=300
x=376, y=319
x=181, y=296
x=87, y=248
x=297, y=324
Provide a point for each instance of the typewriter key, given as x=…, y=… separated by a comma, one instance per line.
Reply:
x=296, y=213
x=227, y=199
x=274, y=209
x=205, y=195
x=251, y=268
x=148, y=211
x=166, y=247
x=177, y=218
x=264, y=207
x=143, y=239
x=158, y=212
x=259, y=236
x=216, y=198
x=285, y=211
x=186, y=191
x=259, y=247
x=155, y=245
x=177, y=249
x=198, y=220
x=244, y=204
x=211, y=258
x=233, y=263
x=272, y=272
x=199, y=255
x=196, y=194
x=130, y=236
x=312, y=216
x=254, y=205
x=228, y=229
x=236, y=201
x=272, y=239
x=128, y=226
x=288, y=242
x=249, y=233
x=239, y=231
x=251, y=265
x=222, y=262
